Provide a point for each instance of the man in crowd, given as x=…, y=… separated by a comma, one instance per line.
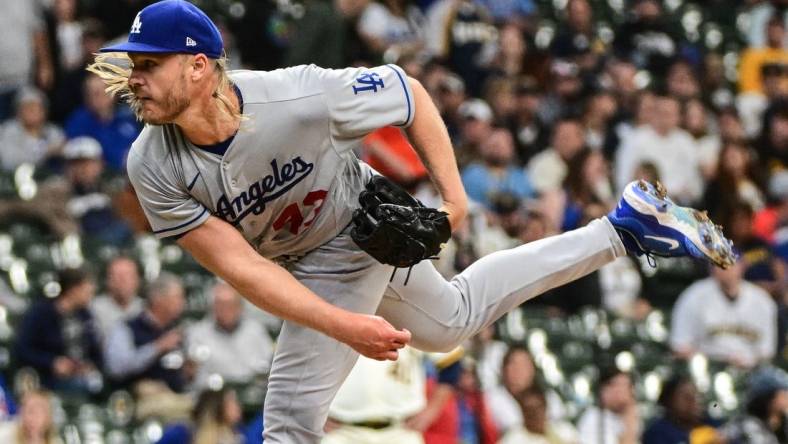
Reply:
x=227, y=343
x=135, y=350
x=57, y=339
x=725, y=318
x=121, y=300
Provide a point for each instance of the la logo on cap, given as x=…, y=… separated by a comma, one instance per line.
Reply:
x=137, y=25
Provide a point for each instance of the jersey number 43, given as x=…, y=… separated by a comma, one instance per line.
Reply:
x=295, y=217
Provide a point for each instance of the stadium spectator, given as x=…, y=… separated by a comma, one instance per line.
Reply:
x=772, y=146
x=537, y=427
x=529, y=132
x=588, y=190
x=392, y=25
x=617, y=419
x=121, y=300
x=66, y=96
x=564, y=94
x=683, y=419
x=101, y=118
x=34, y=423
x=57, y=337
x=29, y=138
x=215, y=419
x=599, y=113
x=496, y=172
x=548, y=169
x=737, y=180
x=752, y=59
x=682, y=81
x=646, y=39
x=499, y=93
x=700, y=123
x=476, y=127
x=383, y=402
x=669, y=147
x=227, y=343
x=65, y=33
x=89, y=196
x=730, y=125
x=763, y=420
x=621, y=285
x=137, y=350
x=24, y=50
x=489, y=353
x=620, y=76
x=476, y=423
x=725, y=318
x=462, y=33
x=518, y=373
x=577, y=39
x=761, y=265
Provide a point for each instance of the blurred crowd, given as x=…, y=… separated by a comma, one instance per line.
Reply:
x=552, y=106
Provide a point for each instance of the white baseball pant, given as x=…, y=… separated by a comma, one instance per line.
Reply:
x=309, y=367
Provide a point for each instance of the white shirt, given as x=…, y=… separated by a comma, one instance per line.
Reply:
x=675, y=155
x=557, y=433
x=706, y=320
x=547, y=171
x=378, y=21
x=236, y=356
x=594, y=431
x=9, y=433
x=382, y=390
x=107, y=313
x=508, y=415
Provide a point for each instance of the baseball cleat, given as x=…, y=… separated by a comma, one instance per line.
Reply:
x=649, y=223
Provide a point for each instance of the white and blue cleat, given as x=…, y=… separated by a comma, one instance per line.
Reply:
x=649, y=223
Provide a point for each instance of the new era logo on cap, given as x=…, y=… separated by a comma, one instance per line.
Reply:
x=190, y=42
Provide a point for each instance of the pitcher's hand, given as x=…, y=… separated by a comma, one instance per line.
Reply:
x=373, y=336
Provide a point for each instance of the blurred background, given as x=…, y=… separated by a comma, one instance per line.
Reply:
x=109, y=335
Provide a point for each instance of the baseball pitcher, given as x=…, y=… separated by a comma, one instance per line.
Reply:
x=254, y=174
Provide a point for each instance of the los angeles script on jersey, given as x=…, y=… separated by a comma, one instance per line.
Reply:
x=271, y=186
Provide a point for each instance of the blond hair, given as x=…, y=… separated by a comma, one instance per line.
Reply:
x=114, y=69
x=50, y=435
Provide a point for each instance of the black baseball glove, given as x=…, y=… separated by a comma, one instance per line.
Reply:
x=395, y=228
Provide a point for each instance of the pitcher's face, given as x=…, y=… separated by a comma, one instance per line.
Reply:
x=159, y=85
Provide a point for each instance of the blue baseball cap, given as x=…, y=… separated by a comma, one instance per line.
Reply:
x=172, y=26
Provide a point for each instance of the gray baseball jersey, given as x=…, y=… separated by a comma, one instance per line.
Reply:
x=289, y=178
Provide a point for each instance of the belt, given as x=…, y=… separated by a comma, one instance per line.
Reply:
x=375, y=425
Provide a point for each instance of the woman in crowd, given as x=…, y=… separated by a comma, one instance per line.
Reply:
x=537, y=427
x=214, y=420
x=34, y=424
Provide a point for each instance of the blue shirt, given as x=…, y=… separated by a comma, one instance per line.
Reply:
x=480, y=184
x=502, y=10
x=114, y=136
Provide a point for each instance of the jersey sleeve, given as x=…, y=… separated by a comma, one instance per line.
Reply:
x=170, y=210
x=361, y=100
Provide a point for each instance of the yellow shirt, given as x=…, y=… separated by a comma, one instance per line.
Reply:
x=750, y=66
